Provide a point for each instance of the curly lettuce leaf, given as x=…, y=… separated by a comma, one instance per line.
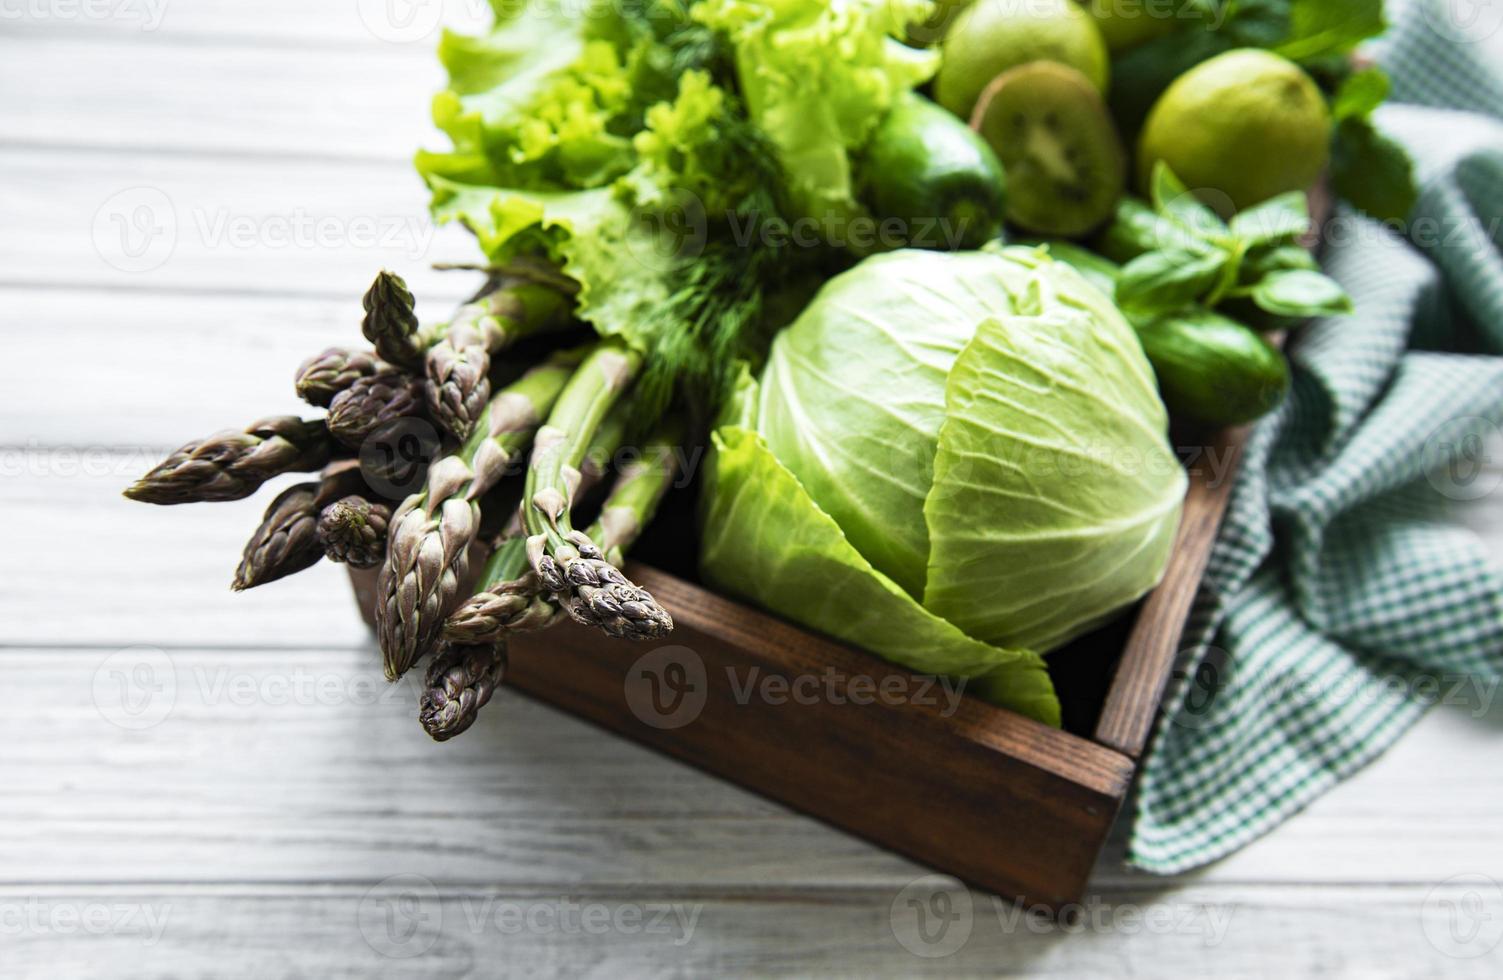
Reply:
x=817, y=76
x=531, y=103
x=621, y=265
x=766, y=539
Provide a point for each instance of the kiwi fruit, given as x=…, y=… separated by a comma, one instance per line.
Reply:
x=1065, y=165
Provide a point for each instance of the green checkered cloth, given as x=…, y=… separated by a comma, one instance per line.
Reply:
x=1341, y=601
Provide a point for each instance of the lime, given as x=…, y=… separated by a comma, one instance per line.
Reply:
x=991, y=36
x=1246, y=123
x=1128, y=23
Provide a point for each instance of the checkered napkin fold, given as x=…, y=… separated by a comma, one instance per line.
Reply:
x=1342, y=599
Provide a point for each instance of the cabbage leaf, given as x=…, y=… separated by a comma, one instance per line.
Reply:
x=767, y=540
x=855, y=413
x=1069, y=466
x=984, y=429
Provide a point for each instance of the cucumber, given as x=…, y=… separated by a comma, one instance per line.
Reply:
x=927, y=175
x=1212, y=369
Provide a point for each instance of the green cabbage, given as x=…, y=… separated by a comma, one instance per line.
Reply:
x=957, y=461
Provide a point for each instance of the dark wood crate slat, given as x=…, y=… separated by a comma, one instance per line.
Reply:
x=993, y=798
x=1149, y=655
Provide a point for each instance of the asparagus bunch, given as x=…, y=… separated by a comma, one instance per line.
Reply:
x=427, y=554
x=508, y=596
x=567, y=563
x=564, y=417
x=511, y=599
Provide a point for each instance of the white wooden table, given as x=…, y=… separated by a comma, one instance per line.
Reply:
x=194, y=194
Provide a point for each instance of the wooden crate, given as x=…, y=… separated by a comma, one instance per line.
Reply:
x=998, y=800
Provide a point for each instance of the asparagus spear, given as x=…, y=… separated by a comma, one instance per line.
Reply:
x=287, y=539
x=391, y=323
x=635, y=495
x=567, y=563
x=508, y=596
x=431, y=532
x=511, y=600
x=373, y=401
x=329, y=372
x=231, y=465
x=353, y=530
x=460, y=356
x=460, y=681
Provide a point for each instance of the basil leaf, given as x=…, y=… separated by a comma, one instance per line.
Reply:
x=1136, y=228
x=1173, y=200
x=1319, y=27
x=1159, y=282
x=1360, y=94
x=1372, y=171
x=1278, y=220
x=1301, y=293
x=1266, y=261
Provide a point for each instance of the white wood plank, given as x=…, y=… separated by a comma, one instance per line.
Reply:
x=311, y=767
x=318, y=771
x=151, y=574
x=234, y=224
x=404, y=929
x=311, y=24
x=368, y=101
x=163, y=368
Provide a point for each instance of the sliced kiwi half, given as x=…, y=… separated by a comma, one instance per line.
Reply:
x=1064, y=161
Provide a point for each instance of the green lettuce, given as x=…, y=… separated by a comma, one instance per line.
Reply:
x=598, y=138
x=817, y=77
